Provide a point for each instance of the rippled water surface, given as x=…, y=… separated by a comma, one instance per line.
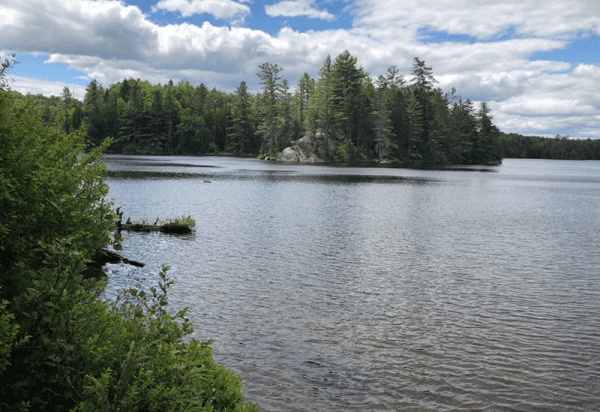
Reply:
x=339, y=288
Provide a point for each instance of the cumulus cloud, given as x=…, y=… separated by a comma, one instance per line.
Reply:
x=27, y=85
x=221, y=9
x=101, y=28
x=109, y=40
x=297, y=8
x=484, y=20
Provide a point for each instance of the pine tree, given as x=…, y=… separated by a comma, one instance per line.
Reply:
x=383, y=129
x=132, y=119
x=268, y=128
x=422, y=87
x=304, y=91
x=171, y=108
x=67, y=98
x=320, y=118
x=241, y=130
x=285, y=115
x=346, y=81
x=93, y=109
x=415, y=122
x=485, y=147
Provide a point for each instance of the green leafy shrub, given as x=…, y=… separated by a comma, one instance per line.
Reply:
x=62, y=346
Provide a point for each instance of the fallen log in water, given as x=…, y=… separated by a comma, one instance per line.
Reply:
x=101, y=258
x=166, y=228
x=178, y=225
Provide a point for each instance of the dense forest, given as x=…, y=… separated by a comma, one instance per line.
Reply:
x=349, y=117
x=535, y=147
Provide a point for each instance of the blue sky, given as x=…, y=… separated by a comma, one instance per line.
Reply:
x=536, y=63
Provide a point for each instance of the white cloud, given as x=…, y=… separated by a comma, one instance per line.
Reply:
x=103, y=28
x=483, y=20
x=221, y=9
x=297, y=8
x=27, y=85
x=563, y=103
x=109, y=41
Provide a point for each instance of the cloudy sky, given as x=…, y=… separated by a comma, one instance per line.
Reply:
x=536, y=62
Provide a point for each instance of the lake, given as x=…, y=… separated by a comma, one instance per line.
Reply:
x=335, y=288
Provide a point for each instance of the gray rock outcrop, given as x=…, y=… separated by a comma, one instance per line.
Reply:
x=300, y=151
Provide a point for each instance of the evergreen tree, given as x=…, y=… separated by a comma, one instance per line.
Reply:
x=192, y=133
x=171, y=108
x=463, y=129
x=67, y=98
x=131, y=119
x=415, y=129
x=436, y=145
x=485, y=147
x=285, y=116
x=397, y=106
x=125, y=90
x=269, y=128
x=320, y=119
x=241, y=130
x=155, y=121
x=304, y=91
x=383, y=129
x=347, y=82
x=93, y=109
x=422, y=87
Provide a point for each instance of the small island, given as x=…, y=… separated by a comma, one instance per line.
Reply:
x=343, y=115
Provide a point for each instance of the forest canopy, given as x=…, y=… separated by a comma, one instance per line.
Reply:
x=348, y=116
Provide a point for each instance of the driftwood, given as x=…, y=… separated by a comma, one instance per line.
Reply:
x=166, y=228
x=101, y=258
x=169, y=227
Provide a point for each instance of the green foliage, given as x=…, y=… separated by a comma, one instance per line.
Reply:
x=9, y=331
x=559, y=147
x=409, y=121
x=4, y=67
x=183, y=220
x=150, y=367
x=63, y=346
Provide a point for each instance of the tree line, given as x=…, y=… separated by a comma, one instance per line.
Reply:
x=348, y=116
x=559, y=147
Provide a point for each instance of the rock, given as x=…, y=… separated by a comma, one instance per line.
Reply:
x=300, y=151
x=288, y=155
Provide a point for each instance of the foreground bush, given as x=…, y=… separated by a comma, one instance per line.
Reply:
x=61, y=346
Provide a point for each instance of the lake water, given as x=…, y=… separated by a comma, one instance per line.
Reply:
x=375, y=289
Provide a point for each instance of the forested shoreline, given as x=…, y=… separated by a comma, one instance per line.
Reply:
x=64, y=345
x=349, y=117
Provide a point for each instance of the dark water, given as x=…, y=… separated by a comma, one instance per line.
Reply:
x=331, y=288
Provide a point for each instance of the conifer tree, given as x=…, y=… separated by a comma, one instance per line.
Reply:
x=241, y=130
x=268, y=129
x=320, y=118
x=383, y=129
x=93, y=109
x=415, y=123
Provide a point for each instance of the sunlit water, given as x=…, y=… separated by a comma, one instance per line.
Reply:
x=337, y=288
